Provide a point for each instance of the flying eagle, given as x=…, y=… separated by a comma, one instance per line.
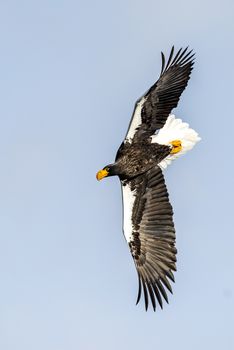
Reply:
x=154, y=138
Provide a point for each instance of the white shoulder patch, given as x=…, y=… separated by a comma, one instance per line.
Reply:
x=128, y=202
x=135, y=121
x=175, y=129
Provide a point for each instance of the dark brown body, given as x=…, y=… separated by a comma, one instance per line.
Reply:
x=133, y=159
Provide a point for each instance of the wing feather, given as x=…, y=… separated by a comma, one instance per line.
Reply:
x=149, y=231
x=151, y=110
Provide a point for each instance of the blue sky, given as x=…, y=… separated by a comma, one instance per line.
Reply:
x=70, y=74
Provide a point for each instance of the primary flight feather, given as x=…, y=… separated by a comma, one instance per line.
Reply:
x=154, y=138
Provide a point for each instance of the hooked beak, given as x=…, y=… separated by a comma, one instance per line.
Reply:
x=101, y=174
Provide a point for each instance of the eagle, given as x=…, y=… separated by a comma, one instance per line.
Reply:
x=154, y=138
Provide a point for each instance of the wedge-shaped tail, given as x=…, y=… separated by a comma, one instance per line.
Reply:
x=175, y=129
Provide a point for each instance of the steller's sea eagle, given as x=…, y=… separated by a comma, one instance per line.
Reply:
x=154, y=138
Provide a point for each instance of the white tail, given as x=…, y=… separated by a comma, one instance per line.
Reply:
x=175, y=129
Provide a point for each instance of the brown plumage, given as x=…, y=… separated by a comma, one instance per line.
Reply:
x=148, y=223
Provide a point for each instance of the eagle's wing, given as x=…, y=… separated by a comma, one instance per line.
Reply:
x=149, y=230
x=151, y=110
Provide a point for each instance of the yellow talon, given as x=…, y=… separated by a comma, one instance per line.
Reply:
x=176, y=146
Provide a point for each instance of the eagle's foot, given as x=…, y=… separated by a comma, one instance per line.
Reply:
x=176, y=146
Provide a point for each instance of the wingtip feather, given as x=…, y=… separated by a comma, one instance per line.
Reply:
x=163, y=62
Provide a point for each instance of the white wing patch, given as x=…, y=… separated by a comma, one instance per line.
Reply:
x=128, y=202
x=175, y=129
x=135, y=121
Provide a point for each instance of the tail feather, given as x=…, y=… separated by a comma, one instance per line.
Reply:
x=175, y=129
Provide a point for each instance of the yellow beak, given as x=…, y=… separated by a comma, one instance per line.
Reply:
x=101, y=174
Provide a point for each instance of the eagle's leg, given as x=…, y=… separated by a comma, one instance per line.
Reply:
x=176, y=146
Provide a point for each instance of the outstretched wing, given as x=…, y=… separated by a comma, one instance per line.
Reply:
x=151, y=110
x=149, y=231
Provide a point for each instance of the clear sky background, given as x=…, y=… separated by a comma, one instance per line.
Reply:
x=70, y=74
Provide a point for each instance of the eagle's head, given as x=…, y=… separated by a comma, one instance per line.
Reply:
x=108, y=170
